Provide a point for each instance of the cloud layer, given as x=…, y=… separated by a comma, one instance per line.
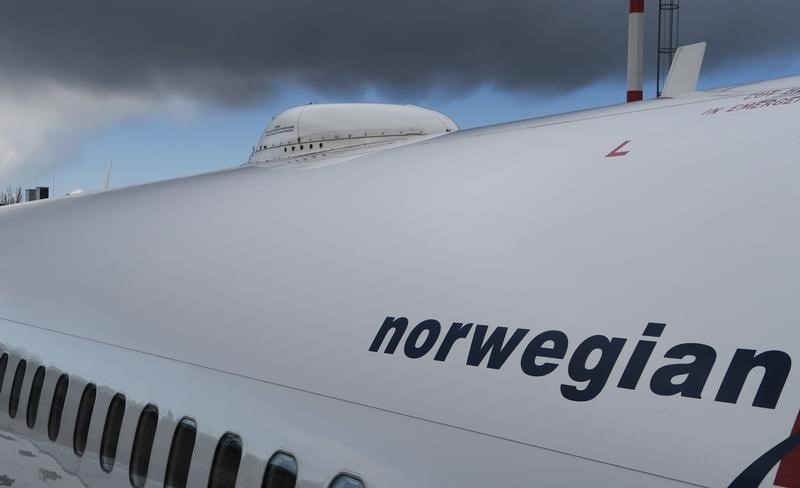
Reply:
x=234, y=51
x=93, y=61
x=44, y=122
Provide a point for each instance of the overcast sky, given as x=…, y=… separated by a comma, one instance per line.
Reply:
x=72, y=72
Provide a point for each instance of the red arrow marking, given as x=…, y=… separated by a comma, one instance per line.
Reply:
x=789, y=470
x=616, y=151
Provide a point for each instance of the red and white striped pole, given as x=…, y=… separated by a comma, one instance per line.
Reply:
x=636, y=51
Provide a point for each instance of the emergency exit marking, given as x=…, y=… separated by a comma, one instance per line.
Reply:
x=616, y=151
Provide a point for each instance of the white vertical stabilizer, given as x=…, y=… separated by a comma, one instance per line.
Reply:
x=685, y=71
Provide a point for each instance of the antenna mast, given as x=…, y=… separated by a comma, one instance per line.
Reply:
x=635, y=50
x=668, y=31
x=108, y=174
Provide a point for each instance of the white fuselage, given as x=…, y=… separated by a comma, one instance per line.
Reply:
x=249, y=300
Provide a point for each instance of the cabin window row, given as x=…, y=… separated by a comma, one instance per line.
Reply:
x=310, y=145
x=281, y=470
x=302, y=147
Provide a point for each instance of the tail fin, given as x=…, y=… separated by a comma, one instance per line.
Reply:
x=685, y=70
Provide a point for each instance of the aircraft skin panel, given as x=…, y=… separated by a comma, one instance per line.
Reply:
x=327, y=435
x=589, y=226
x=704, y=98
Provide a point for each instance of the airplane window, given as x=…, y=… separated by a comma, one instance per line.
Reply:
x=33, y=399
x=108, y=444
x=57, y=407
x=84, y=418
x=180, y=454
x=3, y=365
x=226, y=462
x=16, y=388
x=345, y=481
x=143, y=445
x=281, y=471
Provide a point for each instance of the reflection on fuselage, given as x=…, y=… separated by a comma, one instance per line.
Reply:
x=58, y=427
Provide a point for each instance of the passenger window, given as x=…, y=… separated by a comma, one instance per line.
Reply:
x=108, y=444
x=57, y=407
x=180, y=454
x=226, y=462
x=143, y=445
x=281, y=471
x=345, y=481
x=33, y=399
x=3, y=365
x=16, y=388
x=84, y=419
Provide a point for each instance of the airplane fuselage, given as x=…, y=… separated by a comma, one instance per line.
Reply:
x=603, y=298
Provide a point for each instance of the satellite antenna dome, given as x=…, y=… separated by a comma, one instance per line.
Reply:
x=323, y=129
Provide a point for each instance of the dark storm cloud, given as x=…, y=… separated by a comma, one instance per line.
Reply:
x=233, y=51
